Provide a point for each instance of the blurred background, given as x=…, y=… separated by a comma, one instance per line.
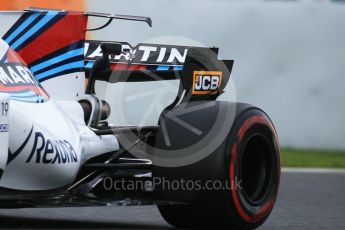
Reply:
x=289, y=60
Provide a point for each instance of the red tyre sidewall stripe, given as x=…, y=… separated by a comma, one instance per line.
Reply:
x=265, y=209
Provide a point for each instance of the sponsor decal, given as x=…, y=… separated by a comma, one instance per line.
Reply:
x=17, y=80
x=206, y=82
x=15, y=74
x=46, y=151
x=13, y=155
x=141, y=54
x=4, y=128
x=50, y=151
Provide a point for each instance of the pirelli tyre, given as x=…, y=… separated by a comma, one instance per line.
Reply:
x=248, y=160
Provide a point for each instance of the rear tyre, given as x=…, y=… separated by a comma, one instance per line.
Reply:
x=250, y=166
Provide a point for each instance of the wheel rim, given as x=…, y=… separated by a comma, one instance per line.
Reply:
x=256, y=170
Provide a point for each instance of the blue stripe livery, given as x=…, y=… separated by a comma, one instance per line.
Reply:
x=73, y=65
x=60, y=58
x=23, y=26
x=162, y=68
x=49, y=16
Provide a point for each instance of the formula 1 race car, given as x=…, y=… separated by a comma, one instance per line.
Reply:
x=205, y=163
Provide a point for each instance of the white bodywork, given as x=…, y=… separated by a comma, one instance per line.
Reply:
x=47, y=142
x=4, y=128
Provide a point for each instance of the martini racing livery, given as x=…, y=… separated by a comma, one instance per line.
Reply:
x=59, y=148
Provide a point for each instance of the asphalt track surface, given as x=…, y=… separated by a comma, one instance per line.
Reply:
x=307, y=200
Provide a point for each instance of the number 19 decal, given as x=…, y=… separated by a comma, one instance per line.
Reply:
x=4, y=109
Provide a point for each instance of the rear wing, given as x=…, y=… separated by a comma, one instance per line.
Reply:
x=143, y=56
x=202, y=75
